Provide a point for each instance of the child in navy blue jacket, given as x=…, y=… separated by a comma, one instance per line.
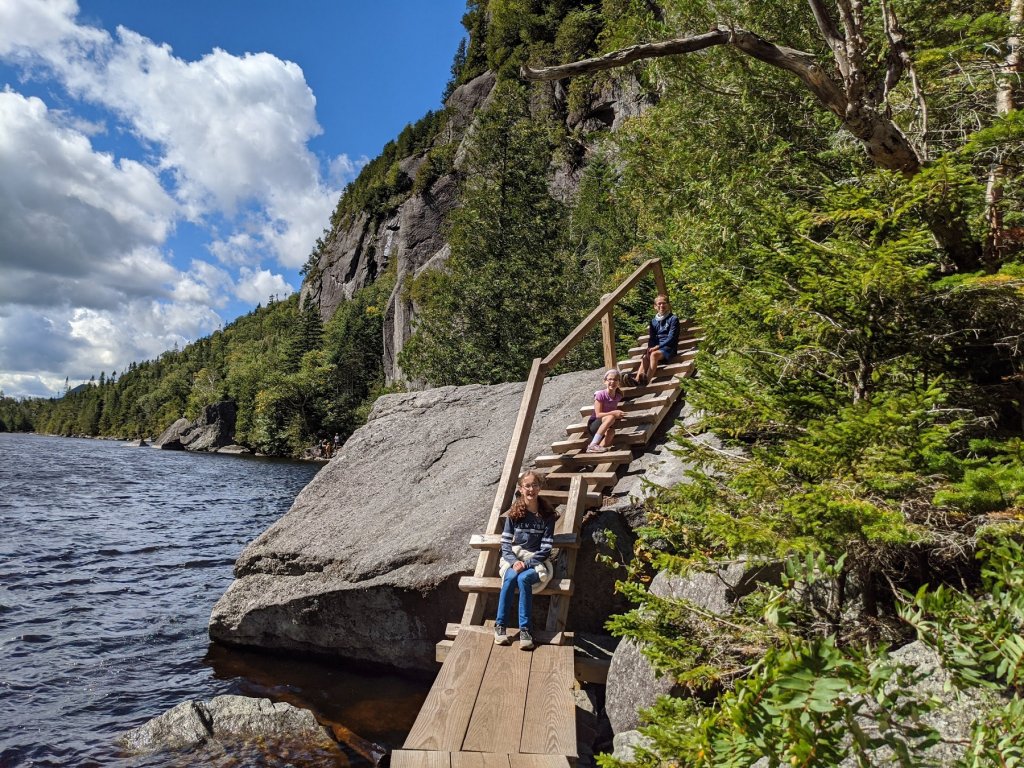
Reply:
x=663, y=341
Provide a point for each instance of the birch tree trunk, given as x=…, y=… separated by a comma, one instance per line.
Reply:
x=1007, y=90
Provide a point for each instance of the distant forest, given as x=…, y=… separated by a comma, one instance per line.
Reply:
x=293, y=378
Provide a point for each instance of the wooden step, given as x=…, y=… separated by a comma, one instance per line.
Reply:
x=630, y=406
x=493, y=541
x=632, y=420
x=492, y=584
x=658, y=385
x=677, y=365
x=628, y=436
x=584, y=459
x=540, y=635
x=685, y=326
x=594, y=479
x=556, y=497
x=688, y=341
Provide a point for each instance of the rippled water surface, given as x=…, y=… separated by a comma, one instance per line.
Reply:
x=111, y=559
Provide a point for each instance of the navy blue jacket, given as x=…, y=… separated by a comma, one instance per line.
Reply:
x=664, y=334
x=533, y=533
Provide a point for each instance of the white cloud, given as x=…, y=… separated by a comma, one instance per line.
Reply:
x=221, y=142
x=344, y=169
x=73, y=215
x=258, y=286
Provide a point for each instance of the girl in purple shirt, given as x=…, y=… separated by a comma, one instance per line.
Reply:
x=606, y=413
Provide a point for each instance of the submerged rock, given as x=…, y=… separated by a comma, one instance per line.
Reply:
x=366, y=563
x=229, y=719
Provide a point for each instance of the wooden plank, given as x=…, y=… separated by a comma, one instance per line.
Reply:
x=479, y=760
x=569, y=522
x=585, y=668
x=638, y=417
x=442, y=649
x=408, y=758
x=661, y=385
x=492, y=585
x=608, y=336
x=581, y=330
x=541, y=636
x=595, y=479
x=549, y=725
x=677, y=364
x=538, y=761
x=627, y=436
x=588, y=670
x=444, y=716
x=584, y=459
x=493, y=541
x=497, y=722
x=487, y=562
x=687, y=340
x=556, y=497
x=659, y=280
x=629, y=406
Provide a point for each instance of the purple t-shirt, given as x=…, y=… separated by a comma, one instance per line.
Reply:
x=608, y=403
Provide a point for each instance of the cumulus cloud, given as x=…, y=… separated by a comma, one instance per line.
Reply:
x=220, y=142
x=256, y=286
x=231, y=130
x=39, y=347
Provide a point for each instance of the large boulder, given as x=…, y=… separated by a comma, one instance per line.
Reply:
x=214, y=429
x=230, y=721
x=366, y=563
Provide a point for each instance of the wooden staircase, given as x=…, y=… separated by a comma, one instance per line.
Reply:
x=575, y=478
x=495, y=706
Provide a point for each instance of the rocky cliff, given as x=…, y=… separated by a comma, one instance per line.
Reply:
x=366, y=563
x=411, y=238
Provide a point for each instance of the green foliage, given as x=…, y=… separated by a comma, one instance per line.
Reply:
x=293, y=380
x=503, y=297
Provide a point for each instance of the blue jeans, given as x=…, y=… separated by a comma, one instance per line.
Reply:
x=524, y=580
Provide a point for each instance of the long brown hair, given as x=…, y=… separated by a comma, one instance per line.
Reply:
x=519, y=510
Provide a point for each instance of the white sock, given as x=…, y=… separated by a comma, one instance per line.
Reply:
x=597, y=439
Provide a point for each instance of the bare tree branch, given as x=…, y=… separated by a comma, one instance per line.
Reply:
x=828, y=29
x=624, y=56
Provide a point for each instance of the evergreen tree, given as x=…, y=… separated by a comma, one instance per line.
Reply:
x=500, y=299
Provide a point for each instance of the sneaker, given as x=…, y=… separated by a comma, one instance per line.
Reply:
x=596, y=448
x=500, y=638
x=525, y=640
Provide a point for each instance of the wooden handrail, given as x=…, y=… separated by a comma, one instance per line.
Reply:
x=566, y=345
x=488, y=560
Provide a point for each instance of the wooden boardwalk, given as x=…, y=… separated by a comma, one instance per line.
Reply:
x=497, y=706
x=496, y=701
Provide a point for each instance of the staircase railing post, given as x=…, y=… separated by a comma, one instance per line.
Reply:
x=659, y=279
x=608, y=335
x=487, y=562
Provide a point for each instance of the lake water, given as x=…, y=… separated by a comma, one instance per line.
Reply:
x=111, y=558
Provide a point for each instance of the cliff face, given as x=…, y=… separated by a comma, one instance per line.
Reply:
x=412, y=238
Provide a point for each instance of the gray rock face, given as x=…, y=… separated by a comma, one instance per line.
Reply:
x=632, y=682
x=366, y=563
x=214, y=429
x=953, y=718
x=413, y=236
x=626, y=744
x=355, y=255
x=229, y=719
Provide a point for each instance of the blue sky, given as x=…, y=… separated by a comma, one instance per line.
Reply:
x=164, y=167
